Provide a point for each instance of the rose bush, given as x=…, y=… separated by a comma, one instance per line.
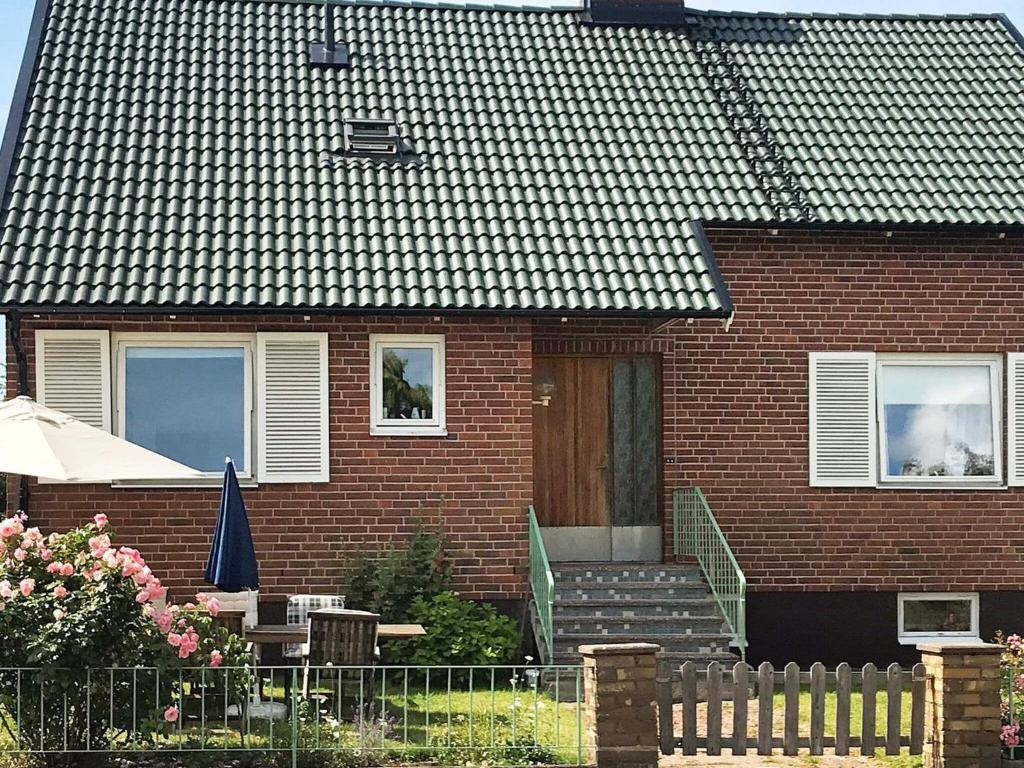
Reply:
x=73, y=604
x=1012, y=665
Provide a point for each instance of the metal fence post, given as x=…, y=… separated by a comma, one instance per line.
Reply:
x=295, y=716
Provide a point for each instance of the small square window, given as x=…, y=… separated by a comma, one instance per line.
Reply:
x=925, y=616
x=939, y=419
x=407, y=385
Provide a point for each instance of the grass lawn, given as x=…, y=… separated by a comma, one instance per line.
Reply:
x=778, y=715
x=856, y=712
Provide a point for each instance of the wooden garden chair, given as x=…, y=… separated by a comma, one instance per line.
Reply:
x=342, y=638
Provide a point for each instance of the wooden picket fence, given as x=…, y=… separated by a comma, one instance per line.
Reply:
x=717, y=684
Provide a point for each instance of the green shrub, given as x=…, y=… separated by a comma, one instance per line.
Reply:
x=390, y=583
x=459, y=632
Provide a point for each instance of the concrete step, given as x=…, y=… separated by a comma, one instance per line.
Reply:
x=696, y=607
x=624, y=572
x=696, y=643
x=671, y=659
x=630, y=590
x=648, y=625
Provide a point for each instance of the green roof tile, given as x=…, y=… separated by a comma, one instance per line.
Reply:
x=185, y=153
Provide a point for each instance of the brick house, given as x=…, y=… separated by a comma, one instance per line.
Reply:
x=465, y=260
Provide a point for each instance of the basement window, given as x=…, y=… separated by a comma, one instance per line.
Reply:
x=938, y=616
x=372, y=137
x=407, y=381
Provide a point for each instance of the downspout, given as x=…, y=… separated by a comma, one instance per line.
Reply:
x=21, y=362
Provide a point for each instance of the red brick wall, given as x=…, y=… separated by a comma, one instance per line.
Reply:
x=735, y=424
x=477, y=482
x=736, y=404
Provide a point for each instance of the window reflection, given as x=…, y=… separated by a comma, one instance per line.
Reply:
x=407, y=383
x=938, y=421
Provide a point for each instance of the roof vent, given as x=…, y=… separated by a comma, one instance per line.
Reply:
x=328, y=52
x=372, y=137
x=638, y=13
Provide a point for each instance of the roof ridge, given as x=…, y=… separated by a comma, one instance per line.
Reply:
x=451, y=5
x=581, y=5
x=993, y=16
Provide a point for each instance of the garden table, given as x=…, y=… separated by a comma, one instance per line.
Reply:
x=281, y=634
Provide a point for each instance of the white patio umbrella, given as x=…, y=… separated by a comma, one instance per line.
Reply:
x=40, y=442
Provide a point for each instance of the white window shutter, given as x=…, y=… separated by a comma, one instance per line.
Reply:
x=843, y=422
x=73, y=374
x=1015, y=417
x=292, y=408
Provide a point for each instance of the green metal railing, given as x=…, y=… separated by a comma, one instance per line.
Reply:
x=696, y=533
x=542, y=582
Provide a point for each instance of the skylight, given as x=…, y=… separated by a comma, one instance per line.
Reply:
x=365, y=136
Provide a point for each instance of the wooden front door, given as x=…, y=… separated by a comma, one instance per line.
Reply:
x=596, y=457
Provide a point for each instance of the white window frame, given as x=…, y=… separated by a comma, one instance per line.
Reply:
x=995, y=365
x=421, y=427
x=910, y=638
x=122, y=341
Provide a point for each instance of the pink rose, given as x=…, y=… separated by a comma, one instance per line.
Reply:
x=26, y=586
x=44, y=554
x=213, y=606
x=53, y=568
x=174, y=640
x=98, y=545
x=163, y=621
x=202, y=597
x=100, y=520
x=31, y=537
x=67, y=569
x=19, y=555
x=156, y=589
x=216, y=659
x=60, y=591
x=183, y=652
x=5, y=590
x=142, y=597
x=10, y=527
x=171, y=714
x=58, y=615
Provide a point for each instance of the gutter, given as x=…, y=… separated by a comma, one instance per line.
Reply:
x=14, y=334
x=716, y=274
x=223, y=309
x=829, y=226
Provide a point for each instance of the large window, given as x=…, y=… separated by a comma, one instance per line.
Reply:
x=189, y=400
x=407, y=385
x=927, y=615
x=939, y=419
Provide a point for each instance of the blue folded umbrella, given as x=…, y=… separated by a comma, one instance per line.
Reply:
x=232, y=563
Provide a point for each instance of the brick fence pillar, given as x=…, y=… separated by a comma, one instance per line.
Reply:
x=620, y=705
x=961, y=705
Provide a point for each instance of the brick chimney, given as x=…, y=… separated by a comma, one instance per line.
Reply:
x=637, y=13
